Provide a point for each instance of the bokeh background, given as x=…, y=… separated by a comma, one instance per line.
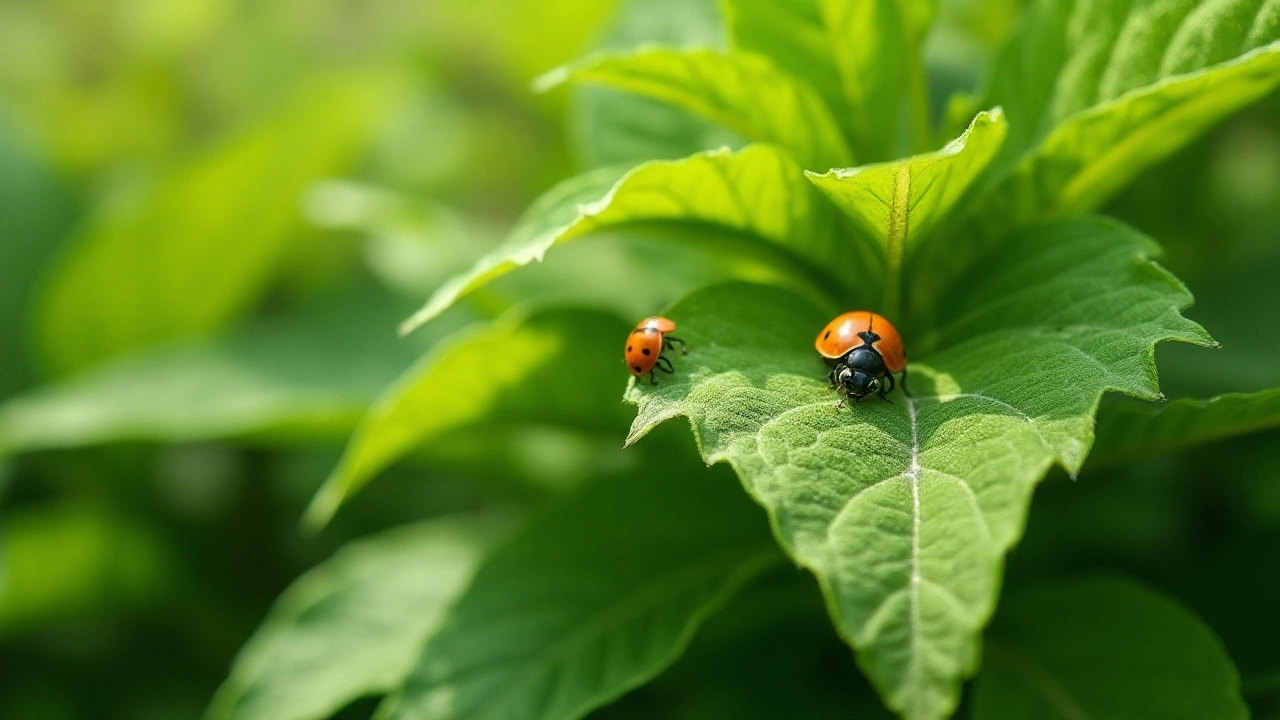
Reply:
x=213, y=214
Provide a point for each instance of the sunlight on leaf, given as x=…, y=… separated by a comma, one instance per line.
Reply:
x=1103, y=648
x=741, y=91
x=491, y=374
x=354, y=625
x=753, y=204
x=554, y=626
x=904, y=511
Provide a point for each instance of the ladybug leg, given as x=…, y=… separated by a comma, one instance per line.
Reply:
x=905, y=391
x=882, y=391
x=666, y=368
x=891, y=383
x=839, y=404
x=667, y=340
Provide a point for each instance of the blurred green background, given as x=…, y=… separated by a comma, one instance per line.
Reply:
x=213, y=214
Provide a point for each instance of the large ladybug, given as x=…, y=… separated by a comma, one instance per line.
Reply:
x=645, y=345
x=864, y=350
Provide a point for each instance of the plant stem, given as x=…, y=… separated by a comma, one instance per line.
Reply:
x=896, y=243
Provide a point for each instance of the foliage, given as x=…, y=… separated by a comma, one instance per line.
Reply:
x=204, y=314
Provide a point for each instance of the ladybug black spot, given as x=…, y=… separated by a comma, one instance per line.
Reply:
x=645, y=351
x=637, y=368
x=827, y=335
x=628, y=348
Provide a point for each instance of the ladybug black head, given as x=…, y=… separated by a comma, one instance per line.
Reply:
x=857, y=384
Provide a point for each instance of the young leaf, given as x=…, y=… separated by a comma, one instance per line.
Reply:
x=755, y=202
x=595, y=598
x=1131, y=430
x=1098, y=91
x=1103, y=648
x=862, y=57
x=899, y=203
x=742, y=91
x=550, y=368
x=353, y=625
x=286, y=376
x=904, y=511
x=204, y=245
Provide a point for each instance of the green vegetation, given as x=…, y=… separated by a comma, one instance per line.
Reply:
x=229, y=487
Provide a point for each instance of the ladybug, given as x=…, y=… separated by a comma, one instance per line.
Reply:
x=864, y=350
x=645, y=345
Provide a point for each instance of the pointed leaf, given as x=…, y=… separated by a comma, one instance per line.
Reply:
x=899, y=203
x=491, y=373
x=1098, y=91
x=353, y=625
x=1104, y=648
x=204, y=245
x=742, y=91
x=1129, y=430
x=592, y=600
x=904, y=511
x=861, y=57
x=754, y=203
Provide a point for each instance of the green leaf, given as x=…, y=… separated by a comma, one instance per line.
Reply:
x=898, y=204
x=1129, y=430
x=862, y=57
x=1098, y=90
x=754, y=205
x=205, y=244
x=743, y=92
x=353, y=625
x=904, y=511
x=494, y=373
x=554, y=626
x=1103, y=648
x=609, y=127
x=312, y=373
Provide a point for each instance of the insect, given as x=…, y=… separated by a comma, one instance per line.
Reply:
x=645, y=345
x=864, y=350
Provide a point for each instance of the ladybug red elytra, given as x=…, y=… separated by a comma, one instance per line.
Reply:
x=645, y=345
x=864, y=350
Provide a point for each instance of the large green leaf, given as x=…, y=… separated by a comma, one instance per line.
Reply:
x=202, y=246
x=742, y=91
x=309, y=373
x=862, y=57
x=1128, y=430
x=592, y=600
x=904, y=511
x=551, y=368
x=753, y=204
x=1103, y=648
x=1098, y=90
x=898, y=204
x=353, y=625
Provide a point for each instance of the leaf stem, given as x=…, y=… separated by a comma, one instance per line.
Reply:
x=896, y=243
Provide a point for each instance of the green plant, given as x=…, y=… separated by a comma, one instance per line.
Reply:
x=1020, y=310
x=766, y=167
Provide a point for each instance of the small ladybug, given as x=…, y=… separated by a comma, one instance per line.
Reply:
x=645, y=345
x=864, y=350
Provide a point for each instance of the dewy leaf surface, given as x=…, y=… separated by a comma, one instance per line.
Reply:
x=206, y=242
x=752, y=204
x=904, y=511
x=493, y=373
x=741, y=91
x=1098, y=90
x=902, y=201
x=1103, y=648
x=553, y=626
x=354, y=625
x=861, y=57
x=1128, y=430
